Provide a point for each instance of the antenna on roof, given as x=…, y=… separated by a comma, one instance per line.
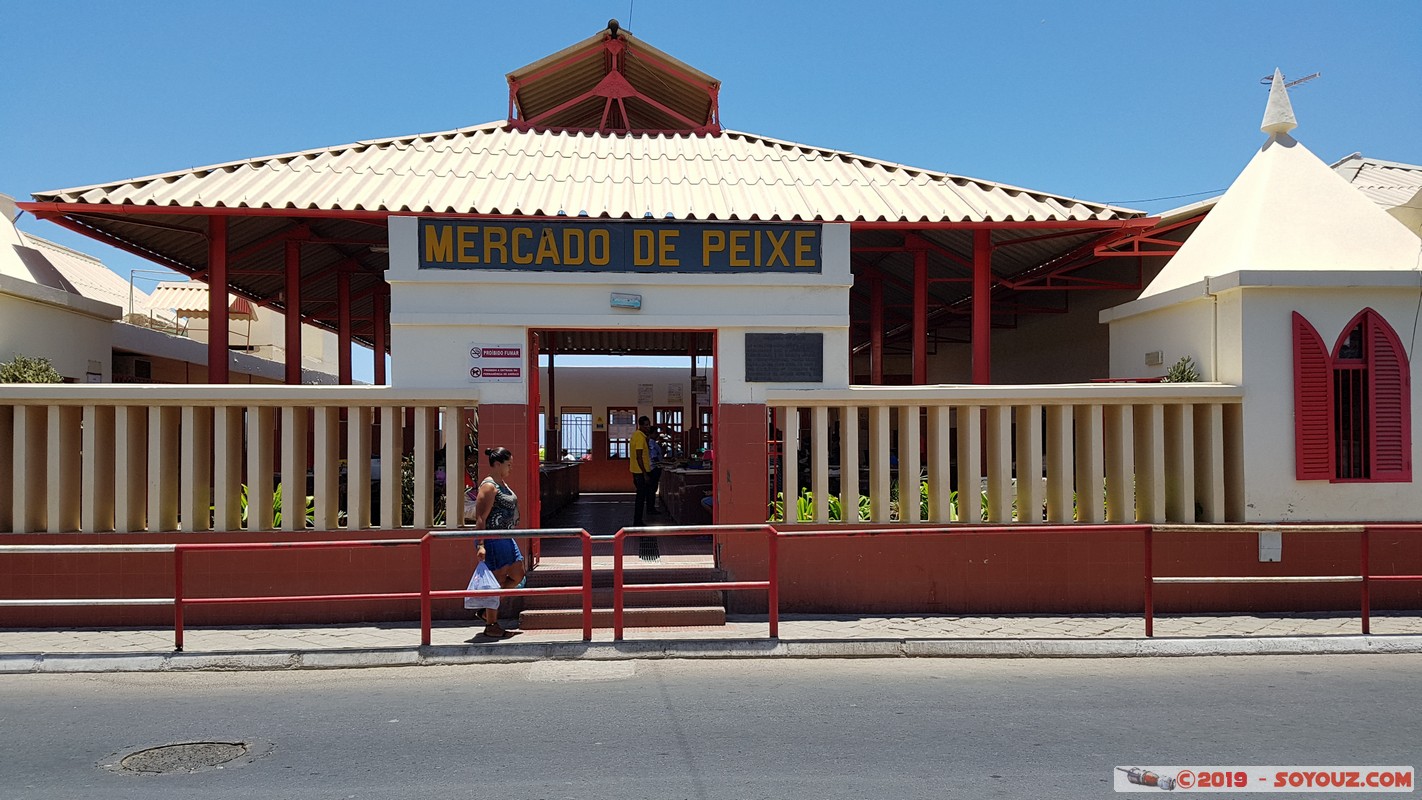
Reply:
x=1268, y=79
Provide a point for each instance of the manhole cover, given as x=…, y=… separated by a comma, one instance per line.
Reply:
x=183, y=757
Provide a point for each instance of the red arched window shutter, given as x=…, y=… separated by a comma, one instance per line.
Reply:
x=1313, y=403
x=1389, y=387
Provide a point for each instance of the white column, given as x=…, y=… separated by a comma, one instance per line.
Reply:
x=227, y=422
x=195, y=481
x=1179, y=464
x=879, y=477
x=98, y=511
x=819, y=464
x=7, y=469
x=1209, y=461
x=163, y=467
x=327, y=469
x=392, y=451
x=131, y=437
x=425, y=419
x=790, y=461
x=1120, y=465
x=1090, y=465
x=940, y=467
x=849, y=464
x=358, y=468
x=910, y=507
x=65, y=471
x=30, y=472
x=1060, y=472
x=1150, y=462
x=453, y=467
x=1234, y=463
x=999, y=463
x=260, y=485
x=295, y=433
x=1030, y=492
x=970, y=471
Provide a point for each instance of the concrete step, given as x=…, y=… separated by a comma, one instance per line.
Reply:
x=542, y=576
x=670, y=617
x=602, y=598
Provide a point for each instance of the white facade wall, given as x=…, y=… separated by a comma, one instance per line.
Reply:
x=436, y=314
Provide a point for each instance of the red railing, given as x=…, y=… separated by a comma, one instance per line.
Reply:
x=180, y=550
x=619, y=587
x=427, y=594
x=1365, y=577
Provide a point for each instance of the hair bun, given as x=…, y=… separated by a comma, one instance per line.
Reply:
x=489, y=451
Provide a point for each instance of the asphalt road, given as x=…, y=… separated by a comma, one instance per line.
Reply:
x=899, y=728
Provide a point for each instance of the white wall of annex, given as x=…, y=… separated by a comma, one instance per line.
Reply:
x=1272, y=492
x=436, y=314
x=69, y=339
x=1183, y=329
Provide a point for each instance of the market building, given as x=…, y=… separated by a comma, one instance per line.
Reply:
x=857, y=318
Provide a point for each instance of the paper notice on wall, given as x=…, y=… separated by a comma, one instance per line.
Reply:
x=674, y=394
x=644, y=394
x=495, y=363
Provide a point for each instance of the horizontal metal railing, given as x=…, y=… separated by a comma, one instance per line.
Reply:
x=773, y=536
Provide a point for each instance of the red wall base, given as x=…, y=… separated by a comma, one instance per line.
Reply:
x=229, y=573
x=1064, y=573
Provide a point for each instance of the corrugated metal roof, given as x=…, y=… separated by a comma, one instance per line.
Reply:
x=1388, y=183
x=87, y=275
x=190, y=299
x=492, y=169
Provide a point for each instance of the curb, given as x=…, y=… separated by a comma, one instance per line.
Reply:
x=512, y=653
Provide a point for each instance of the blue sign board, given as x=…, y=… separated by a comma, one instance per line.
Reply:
x=609, y=246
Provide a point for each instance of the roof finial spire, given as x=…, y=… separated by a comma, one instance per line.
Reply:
x=1279, y=114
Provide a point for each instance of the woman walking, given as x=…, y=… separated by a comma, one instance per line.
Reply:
x=496, y=509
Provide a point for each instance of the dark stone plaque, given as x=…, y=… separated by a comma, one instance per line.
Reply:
x=785, y=357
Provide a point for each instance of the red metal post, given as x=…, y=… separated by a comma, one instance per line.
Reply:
x=587, y=586
x=293, y=313
x=379, y=318
x=217, y=327
x=1149, y=586
x=920, y=317
x=773, y=591
x=876, y=328
x=178, y=598
x=426, y=613
x=1367, y=599
x=982, y=306
x=617, y=541
x=343, y=327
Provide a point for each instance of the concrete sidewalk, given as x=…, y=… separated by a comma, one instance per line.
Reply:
x=801, y=635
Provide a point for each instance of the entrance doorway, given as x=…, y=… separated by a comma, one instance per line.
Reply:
x=591, y=387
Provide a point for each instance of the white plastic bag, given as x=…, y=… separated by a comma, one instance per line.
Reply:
x=483, y=578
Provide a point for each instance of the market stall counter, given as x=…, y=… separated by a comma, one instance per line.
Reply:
x=682, y=489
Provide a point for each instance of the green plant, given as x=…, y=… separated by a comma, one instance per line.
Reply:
x=805, y=507
x=1183, y=371
x=23, y=369
x=276, y=508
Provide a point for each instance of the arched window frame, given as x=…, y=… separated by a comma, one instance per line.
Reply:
x=1352, y=416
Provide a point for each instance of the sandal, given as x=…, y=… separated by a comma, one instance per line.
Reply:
x=495, y=632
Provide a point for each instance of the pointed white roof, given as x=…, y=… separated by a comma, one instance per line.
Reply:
x=1289, y=211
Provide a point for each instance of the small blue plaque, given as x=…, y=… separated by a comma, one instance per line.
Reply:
x=620, y=300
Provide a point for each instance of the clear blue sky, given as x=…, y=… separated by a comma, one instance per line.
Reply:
x=1110, y=101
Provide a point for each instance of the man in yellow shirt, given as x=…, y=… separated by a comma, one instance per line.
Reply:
x=641, y=466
